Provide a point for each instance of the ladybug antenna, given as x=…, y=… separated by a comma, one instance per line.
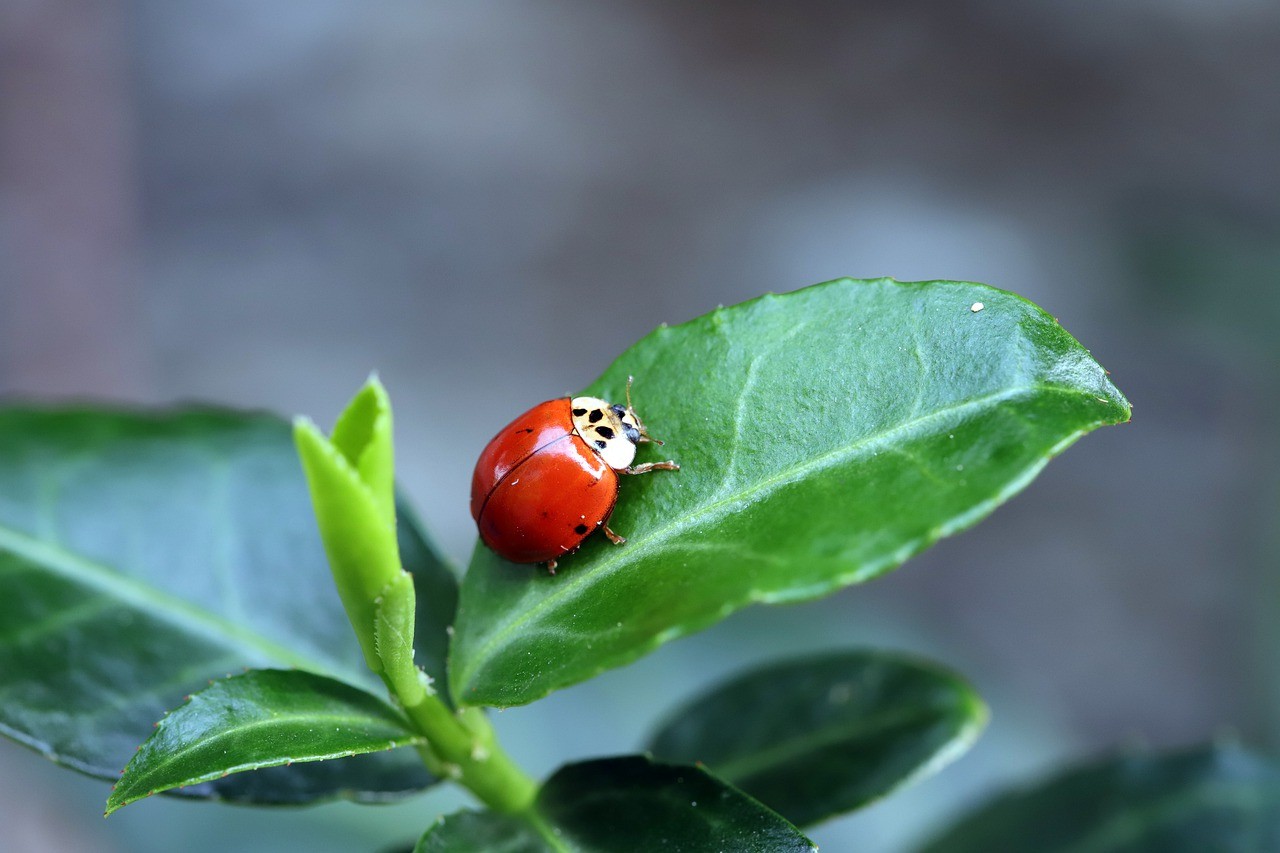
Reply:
x=644, y=433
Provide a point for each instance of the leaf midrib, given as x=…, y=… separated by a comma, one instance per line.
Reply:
x=168, y=608
x=291, y=720
x=804, y=743
x=1119, y=828
x=122, y=796
x=578, y=584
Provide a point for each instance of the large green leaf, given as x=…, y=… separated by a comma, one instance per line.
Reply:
x=262, y=718
x=469, y=832
x=815, y=737
x=143, y=554
x=620, y=805
x=824, y=436
x=1219, y=798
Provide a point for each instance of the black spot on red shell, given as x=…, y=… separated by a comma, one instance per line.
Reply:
x=581, y=529
x=577, y=413
x=605, y=432
x=596, y=415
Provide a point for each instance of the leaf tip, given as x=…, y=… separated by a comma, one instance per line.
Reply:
x=373, y=384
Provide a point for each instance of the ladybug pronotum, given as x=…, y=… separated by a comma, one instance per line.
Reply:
x=549, y=479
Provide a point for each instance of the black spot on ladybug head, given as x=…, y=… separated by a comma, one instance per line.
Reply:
x=581, y=529
x=602, y=444
x=604, y=432
x=632, y=434
x=619, y=410
x=577, y=413
x=596, y=415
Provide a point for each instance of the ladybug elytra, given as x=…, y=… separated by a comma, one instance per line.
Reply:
x=549, y=479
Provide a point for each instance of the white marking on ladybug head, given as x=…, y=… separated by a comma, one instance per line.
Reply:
x=609, y=430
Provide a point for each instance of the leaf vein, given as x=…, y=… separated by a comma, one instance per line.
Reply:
x=158, y=604
x=579, y=584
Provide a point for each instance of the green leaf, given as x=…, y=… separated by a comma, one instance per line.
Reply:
x=618, y=805
x=363, y=435
x=143, y=554
x=815, y=737
x=492, y=832
x=1220, y=798
x=352, y=482
x=393, y=635
x=435, y=585
x=825, y=436
x=263, y=718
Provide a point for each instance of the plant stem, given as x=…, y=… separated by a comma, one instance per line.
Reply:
x=464, y=747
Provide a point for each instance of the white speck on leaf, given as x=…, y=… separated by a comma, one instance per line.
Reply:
x=976, y=307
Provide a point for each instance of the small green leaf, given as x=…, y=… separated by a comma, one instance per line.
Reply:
x=1219, y=797
x=352, y=483
x=263, y=718
x=815, y=737
x=620, y=805
x=491, y=832
x=143, y=554
x=824, y=437
x=393, y=635
x=363, y=435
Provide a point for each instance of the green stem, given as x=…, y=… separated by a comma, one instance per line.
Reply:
x=467, y=751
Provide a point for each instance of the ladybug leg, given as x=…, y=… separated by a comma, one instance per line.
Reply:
x=646, y=467
x=551, y=567
x=613, y=537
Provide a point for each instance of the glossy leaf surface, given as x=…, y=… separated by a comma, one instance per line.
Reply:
x=1219, y=798
x=468, y=832
x=263, y=718
x=143, y=554
x=618, y=805
x=819, y=736
x=824, y=436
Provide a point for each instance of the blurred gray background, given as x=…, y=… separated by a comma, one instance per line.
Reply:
x=258, y=203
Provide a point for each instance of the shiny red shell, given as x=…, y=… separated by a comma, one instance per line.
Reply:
x=538, y=489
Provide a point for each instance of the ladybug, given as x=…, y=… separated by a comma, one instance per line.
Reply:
x=549, y=479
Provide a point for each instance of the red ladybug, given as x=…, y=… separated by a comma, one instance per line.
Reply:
x=549, y=478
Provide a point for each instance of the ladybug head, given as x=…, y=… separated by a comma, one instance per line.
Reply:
x=632, y=427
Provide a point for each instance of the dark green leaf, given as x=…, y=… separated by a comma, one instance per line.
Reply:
x=815, y=737
x=621, y=805
x=436, y=588
x=142, y=555
x=825, y=436
x=470, y=832
x=263, y=718
x=1219, y=798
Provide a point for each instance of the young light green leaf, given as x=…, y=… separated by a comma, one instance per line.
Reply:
x=824, y=437
x=393, y=635
x=263, y=718
x=352, y=481
x=1219, y=797
x=618, y=805
x=363, y=435
x=143, y=554
x=815, y=737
